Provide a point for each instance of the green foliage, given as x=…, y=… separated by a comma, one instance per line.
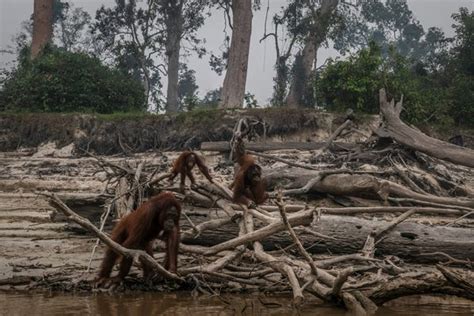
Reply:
x=463, y=50
x=131, y=34
x=189, y=103
x=60, y=81
x=211, y=99
x=437, y=90
x=355, y=83
x=352, y=83
x=138, y=34
x=280, y=82
x=250, y=101
x=460, y=69
x=390, y=24
x=200, y=117
x=461, y=96
x=424, y=96
x=187, y=88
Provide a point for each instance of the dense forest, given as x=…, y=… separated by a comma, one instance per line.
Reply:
x=121, y=59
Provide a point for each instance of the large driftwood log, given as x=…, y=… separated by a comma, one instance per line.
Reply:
x=75, y=199
x=353, y=185
x=402, y=133
x=427, y=283
x=407, y=240
x=267, y=146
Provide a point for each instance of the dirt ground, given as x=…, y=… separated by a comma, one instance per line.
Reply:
x=38, y=245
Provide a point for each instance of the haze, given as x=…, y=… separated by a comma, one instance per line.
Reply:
x=262, y=56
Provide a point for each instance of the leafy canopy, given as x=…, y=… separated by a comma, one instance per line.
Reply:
x=60, y=81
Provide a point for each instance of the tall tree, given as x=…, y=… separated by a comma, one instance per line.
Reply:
x=388, y=23
x=288, y=27
x=182, y=18
x=460, y=70
x=173, y=12
x=71, y=27
x=42, y=25
x=146, y=36
x=233, y=90
x=187, y=88
x=71, y=30
x=463, y=50
x=132, y=33
x=303, y=25
x=305, y=62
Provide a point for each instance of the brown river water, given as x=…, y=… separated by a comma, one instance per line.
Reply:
x=184, y=304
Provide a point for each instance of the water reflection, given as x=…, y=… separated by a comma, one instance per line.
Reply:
x=183, y=304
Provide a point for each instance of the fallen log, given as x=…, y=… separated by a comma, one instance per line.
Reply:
x=274, y=263
x=74, y=199
x=353, y=185
x=357, y=287
x=16, y=280
x=396, y=129
x=267, y=146
x=425, y=283
x=408, y=240
x=333, y=136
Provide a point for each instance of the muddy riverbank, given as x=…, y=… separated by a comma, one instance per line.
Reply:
x=41, y=251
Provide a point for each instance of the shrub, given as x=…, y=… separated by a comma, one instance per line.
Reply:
x=352, y=83
x=441, y=93
x=60, y=81
x=355, y=83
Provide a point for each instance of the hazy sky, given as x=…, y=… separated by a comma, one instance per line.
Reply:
x=262, y=56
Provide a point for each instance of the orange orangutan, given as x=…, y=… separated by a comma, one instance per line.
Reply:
x=184, y=164
x=156, y=218
x=249, y=186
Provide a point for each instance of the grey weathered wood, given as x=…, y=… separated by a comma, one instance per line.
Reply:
x=408, y=240
x=76, y=198
x=345, y=184
x=408, y=136
x=122, y=206
x=266, y=146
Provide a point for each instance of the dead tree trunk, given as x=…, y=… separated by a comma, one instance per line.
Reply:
x=305, y=181
x=42, y=26
x=394, y=128
x=233, y=90
x=267, y=146
x=408, y=240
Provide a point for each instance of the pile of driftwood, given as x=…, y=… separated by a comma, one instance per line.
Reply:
x=350, y=245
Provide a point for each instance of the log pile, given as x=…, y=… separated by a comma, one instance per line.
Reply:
x=355, y=226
